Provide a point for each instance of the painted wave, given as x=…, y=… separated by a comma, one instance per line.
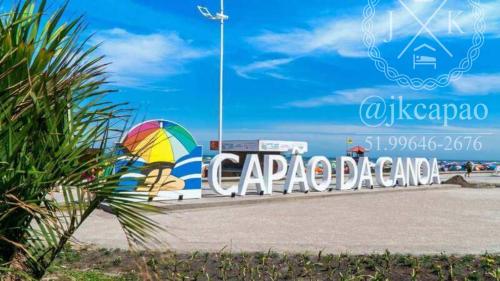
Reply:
x=188, y=168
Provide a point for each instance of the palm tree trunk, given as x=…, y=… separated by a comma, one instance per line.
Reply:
x=18, y=266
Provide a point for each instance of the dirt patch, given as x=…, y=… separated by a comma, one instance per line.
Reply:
x=125, y=265
x=459, y=180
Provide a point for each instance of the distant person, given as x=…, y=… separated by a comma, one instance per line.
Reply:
x=90, y=176
x=468, y=167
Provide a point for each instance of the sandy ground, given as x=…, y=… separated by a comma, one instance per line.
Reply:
x=439, y=219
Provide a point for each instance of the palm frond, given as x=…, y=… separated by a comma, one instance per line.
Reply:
x=53, y=111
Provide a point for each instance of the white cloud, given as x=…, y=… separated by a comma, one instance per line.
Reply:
x=468, y=85
x=356, y=96
x=265, y=67
x=477, y=84
x=136, y=56
x=343, y=36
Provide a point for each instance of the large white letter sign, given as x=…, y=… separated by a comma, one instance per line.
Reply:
x=311, y=173
x=296, y=174
x=269, y=174
x=411, y=171
x=424, y=168
x=398, y=172
x=364, y=173
x=379, y=172
x=435, y=177
x=353, y=171
x=252, y=174
x=213, y=173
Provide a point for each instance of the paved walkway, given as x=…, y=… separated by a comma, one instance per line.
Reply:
x=445, y=219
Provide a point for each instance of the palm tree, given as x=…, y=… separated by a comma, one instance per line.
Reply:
x=55, y=126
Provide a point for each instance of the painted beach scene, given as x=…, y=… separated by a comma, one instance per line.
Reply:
x=166, y=159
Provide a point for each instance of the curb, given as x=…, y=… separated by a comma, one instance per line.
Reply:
x=174, y=206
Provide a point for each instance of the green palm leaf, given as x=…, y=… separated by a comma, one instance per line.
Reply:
x=53, y=112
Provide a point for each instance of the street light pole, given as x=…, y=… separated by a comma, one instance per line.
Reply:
x=222, y=17
x=221, y=78
x=219, y=16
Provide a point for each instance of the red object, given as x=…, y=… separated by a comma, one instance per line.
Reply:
x=89, y=176
x=358, y=150
x=214, y=145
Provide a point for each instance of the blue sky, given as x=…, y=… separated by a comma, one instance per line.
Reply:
x=295, y=69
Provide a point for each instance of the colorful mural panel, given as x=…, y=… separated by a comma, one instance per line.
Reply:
x=163, y=161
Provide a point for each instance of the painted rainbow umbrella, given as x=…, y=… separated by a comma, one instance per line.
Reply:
x=159, y=141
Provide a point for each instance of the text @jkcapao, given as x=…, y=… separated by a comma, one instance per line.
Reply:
x=375, y=111
x=404, y=172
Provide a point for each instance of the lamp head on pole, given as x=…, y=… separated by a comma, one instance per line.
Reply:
x=206, y=13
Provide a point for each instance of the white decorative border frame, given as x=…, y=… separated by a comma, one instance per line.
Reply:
x=415, y=83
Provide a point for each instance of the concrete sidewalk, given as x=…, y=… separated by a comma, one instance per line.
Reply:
x=433, y=220
x=211, y=199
